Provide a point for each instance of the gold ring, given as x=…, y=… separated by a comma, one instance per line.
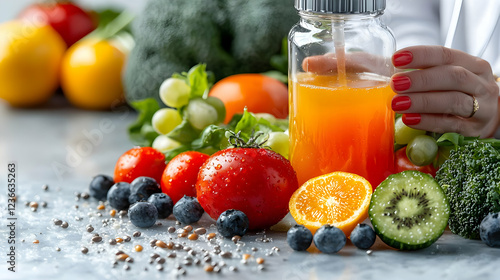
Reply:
x=475, y=107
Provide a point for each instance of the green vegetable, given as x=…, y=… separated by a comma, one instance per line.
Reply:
x=200, y=128
x=470, y=178
x=230, y=36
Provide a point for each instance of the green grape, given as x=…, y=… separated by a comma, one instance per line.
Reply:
x=201, y=114
x=165, y=120
x=219, y=107
x=270, y=118
x=164, y=143
x=422, y=150
x=175, y=92
x=279, y=142
x=404, y=134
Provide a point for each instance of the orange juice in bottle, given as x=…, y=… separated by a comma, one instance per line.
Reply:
x=341, y=127
x=339, y=93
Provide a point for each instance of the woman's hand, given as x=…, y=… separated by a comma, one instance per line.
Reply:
x=451, y=91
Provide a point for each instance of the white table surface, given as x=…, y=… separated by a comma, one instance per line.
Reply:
x=65, y=147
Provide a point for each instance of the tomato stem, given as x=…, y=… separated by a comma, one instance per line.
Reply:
x=237, y=141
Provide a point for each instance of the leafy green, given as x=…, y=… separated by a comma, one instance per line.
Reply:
x=141, y=132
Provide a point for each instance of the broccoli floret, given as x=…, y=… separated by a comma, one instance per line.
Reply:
x=229, y=36
x=471, y=181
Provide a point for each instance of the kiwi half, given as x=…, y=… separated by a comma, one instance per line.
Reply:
x=409, y=210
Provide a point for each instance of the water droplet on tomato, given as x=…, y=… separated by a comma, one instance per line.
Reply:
x=218, y=167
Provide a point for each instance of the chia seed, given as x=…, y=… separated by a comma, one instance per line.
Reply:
x=136, y=234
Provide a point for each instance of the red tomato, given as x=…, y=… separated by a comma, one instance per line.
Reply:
x=69, y=20
x=403, y=163
x=179, y=177
x=259, y=93
x=140, y=161
x=256, y=181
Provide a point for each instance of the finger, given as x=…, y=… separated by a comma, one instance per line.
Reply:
x=440, y=123
x=320, y=64
x=447, y=102
x=355, y=63
x=439, y=78
x=420, y=57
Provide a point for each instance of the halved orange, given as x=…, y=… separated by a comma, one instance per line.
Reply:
x=339, y=198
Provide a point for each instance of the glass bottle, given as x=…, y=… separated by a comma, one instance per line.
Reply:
x=340, y=98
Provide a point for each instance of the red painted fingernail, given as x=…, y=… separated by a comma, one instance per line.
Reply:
x=402, y=58
x=401, y=83
x=401, y=103
x=411, y=119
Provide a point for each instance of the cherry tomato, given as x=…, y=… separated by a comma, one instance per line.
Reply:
x=403, y=163
x=179, y=177
x=139, y=161
x=256, y=181
x=259, y=93
x=68, y=19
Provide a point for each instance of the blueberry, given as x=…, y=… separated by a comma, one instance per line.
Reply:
x=188, y=210
x=299, y=238
x=163, y=204
x=329, y=239
x=232, y=222
x=363, y=236
x=99, y=186
x=135, y=197
x=489, y=230
x=118, y=196
x=144, y=187
x=143, y=214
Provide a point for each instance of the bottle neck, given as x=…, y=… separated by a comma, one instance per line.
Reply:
x=324, y=20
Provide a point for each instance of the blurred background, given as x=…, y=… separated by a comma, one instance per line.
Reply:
x=9, y=9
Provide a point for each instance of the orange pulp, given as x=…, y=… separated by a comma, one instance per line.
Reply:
x=346, y=128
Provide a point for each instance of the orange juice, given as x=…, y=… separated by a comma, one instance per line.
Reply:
x=346, y=128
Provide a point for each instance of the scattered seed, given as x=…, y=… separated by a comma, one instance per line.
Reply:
x=136, y=234
x=260, y=267
x=192, y=253
x=85, y=250
x=187, y=248
x=177, y=222
x=255, y=249
x=207, y=259
x=78, y=219
x=200, y=231
x=172, y=255
x=95, y=234
x=208, y=268
x=275, y=249
x=188, y=228
x=85, y=195
x=226, y=254
x=161, y=244
x=216, y=269
x=171, y=229
x=243, y=261
x=126, y=267
x=211, y=236
x=259, y=261
x=119, y=252
x=90, y=229
x=161, y=261
x=138, y=248
x=221, y=264
x=153, y=242
x=119, y=240
x=96, y=239
x=236, y=238
x=177, y=247
x=57, y=222
x=182, y=272
x=122, y=257
x=112, y=213
x=193, y=236
x=129, y=260
x=45, y=187
x=127, y=238
x=36, y=241
x=101, y=207
x=369, y=252
x=154, y=256
x=159, y=267
x=76, y=206
x=33, y=209
x=64, y=225
x=246, y=256
x=122, y=212
x=187, y=262
x=170, y=245
x=44, y=204
x=27, y=203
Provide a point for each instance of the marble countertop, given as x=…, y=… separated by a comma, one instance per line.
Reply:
x=63, y=148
